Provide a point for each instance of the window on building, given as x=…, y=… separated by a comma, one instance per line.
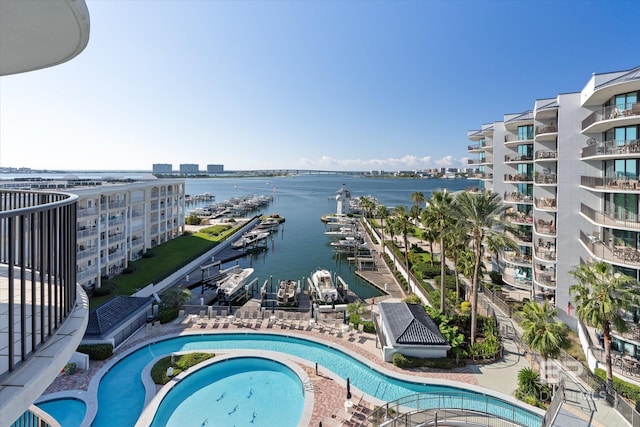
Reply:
x=525, y=133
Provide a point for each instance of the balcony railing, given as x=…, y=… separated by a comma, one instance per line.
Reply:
x=546, y=129
x=612, y=112
x=546, y=203
x=610, y=219
x=478, y=161
x=517, y=197
x=87, y=211
x=629, y=183
x=545, y=227
x=38, y=252
x=117, y=204
x=518, y=158
x=520, y=177
x=546, y=178
x=546, y=154
x=515, y=138
x=518, y=258
x=520, y=280
x=612, y=147
x=519, y=218
x=625, y=255
x=546, y=279
x=478, y=146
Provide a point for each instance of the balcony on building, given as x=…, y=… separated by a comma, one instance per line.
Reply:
x=45, y=312
x=518, y=177
x=519, y=218
x=546, y=179
x=611, y=149
x=545, y=279
x=619, y=219
x=546, y=132
x=546, y=155
x=517, y=197
x=481, y=161
x=611, y=252
x=545, y=227
x=606, y=117
x=518, y=158
x=611, y=184
x=513, y=140
x=517, y=258
x=545, y=203
x=518, y=277
x=545, y=250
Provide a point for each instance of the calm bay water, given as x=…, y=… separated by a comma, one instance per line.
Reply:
x=300, y=245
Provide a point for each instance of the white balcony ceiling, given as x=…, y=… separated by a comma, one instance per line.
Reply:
x=37, y=34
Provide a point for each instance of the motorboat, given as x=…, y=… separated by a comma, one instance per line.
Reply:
x=324, y=286
x=250, y=238
x=342, y=232
x=234, y=280
x=268, y=224
x=287, y=292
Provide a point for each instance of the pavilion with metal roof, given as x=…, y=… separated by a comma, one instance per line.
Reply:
x=407, y=329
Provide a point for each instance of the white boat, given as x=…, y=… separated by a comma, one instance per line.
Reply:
x=235, y=280
x=250, y=238
x=323, y=285
x=286, y=292
x=268, y=224
x=342, y=232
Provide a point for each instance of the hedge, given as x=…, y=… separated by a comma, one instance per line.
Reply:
x=96, y=351
x=628, y=390
x=402, y=361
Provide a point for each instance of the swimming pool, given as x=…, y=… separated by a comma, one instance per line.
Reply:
x=236, y=391
x=121, y=394
x=69, y=412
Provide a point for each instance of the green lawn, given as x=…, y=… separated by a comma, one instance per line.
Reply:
x=164, y=260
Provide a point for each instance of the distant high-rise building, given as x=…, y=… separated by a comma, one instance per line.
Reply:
x=189, y=168
x=162, y=168
x=215, y=168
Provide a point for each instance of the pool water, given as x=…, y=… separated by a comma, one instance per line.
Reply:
x=238, y=391
x=121, y=393
x=69, y=412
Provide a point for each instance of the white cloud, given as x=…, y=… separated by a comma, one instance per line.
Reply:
x=407, y=162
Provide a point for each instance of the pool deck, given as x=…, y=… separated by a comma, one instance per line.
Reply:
x=329, y=390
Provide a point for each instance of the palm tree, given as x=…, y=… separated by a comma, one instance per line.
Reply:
x=440, y=207
x=541, y=332
x=383, y=213
x=428, y=230
x=600, y=296
x=367, y=204
x=176, y=297
x=481, y=214
x=403, y=225
x=458, y=243
x=418, y=199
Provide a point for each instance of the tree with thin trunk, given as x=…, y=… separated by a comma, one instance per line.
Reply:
x=383, y=213
x=600, y=296
x=458, y=242
x=418, y=199
x=403, y=226
x=542, y=332
x=482, y=215
x=440, y=209
x=428, y=230
x=367, y=204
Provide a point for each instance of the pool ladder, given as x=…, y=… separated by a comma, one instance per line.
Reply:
x=385, y=384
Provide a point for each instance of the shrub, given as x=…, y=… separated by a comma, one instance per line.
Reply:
x=405, y=362
x=101, y=292
x=412, y=299
x=148, y=254
x=181, y=363
x=168, y=314
x=70, y=368
x=627, y=390
x=127, y=270
x=96, y=351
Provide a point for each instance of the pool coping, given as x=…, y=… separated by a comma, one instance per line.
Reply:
x=91, y=395
x=151, y=407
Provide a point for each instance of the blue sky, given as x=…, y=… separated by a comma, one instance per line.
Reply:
x=334, y=85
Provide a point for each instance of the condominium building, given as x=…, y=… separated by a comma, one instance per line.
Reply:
x=568, y=172
x=119, y=221
x=162, y=168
